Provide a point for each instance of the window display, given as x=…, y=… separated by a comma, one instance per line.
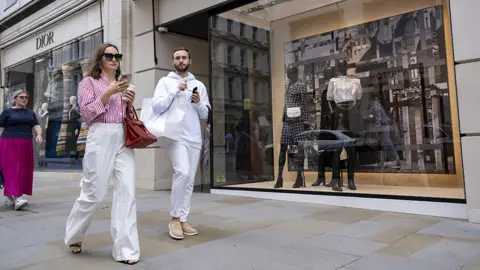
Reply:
x=362, y=89
x=52, y=80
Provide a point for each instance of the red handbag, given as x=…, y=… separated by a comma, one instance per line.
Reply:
x=136, y=134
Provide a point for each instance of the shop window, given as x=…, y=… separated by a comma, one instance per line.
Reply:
x=242, y=29
x=392, y=132
x=242, y=57
x=214, y=54
x=257, y=93
x=52, y=80
x=248, y=110
x=244, y=89
x=229, y=26
x=230, y=55
x=18, y=77
x=230, y=88
x=214, y=22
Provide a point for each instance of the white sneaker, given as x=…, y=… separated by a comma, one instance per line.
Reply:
x=20, y=203
x=9, y=201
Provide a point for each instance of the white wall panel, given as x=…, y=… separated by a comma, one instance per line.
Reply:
x=170, y=10
x=471, y=156
x=468, y=94
x=465, y=22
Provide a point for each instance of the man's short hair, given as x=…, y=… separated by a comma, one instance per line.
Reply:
x=181, y=49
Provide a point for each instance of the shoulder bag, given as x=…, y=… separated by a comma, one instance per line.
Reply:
x=136, y=134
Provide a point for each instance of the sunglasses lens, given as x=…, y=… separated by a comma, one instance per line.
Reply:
x=118, y=57
x=108, y=56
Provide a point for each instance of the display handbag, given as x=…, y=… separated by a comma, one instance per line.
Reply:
x=294, y=112
x=136, y=134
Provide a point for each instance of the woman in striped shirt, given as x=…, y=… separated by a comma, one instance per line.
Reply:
x=106, y=158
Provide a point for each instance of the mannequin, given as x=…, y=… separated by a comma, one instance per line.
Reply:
x=295, y=117
x=74, y=124
x=325, y=124
x=40, y=74
x=343, y=94
x=43, y=114
x=74, y=111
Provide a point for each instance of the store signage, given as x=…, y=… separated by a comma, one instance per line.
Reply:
x=45, y=40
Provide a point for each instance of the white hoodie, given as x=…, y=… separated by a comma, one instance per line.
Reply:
x=163, y=97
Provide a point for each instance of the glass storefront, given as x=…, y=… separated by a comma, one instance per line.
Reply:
x=353, y=96
x=51, y=80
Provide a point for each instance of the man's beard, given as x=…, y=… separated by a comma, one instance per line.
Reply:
x=182, y=69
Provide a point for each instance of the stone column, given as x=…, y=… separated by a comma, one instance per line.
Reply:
x=118, y=29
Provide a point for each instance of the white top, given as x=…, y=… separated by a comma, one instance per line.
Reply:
x=191, y=129
x=344, y=89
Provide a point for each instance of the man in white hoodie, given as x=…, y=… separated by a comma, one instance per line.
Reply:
x=184, y=151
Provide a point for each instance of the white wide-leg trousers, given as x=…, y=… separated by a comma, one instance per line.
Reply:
x=107, y=161
x=185, y=162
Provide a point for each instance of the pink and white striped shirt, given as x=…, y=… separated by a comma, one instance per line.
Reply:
x=92, y=110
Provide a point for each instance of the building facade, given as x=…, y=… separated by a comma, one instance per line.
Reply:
x=357, y=103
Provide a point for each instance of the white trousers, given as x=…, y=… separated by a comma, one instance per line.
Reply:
x=185, y=162
x=107, y=161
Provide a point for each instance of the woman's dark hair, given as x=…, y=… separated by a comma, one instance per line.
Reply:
x=96, y=69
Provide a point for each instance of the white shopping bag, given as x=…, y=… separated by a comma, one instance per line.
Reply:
x=167, y=124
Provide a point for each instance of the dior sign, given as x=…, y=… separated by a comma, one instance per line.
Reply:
x=45, y=40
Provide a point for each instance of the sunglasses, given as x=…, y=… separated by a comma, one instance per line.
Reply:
x=110, y=56
x=23, y=97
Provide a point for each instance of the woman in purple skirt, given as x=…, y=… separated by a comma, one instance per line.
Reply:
x=16, y=150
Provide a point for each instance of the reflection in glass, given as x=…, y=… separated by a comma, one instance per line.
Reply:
x=360, y=90
x=242, y=136
x=52, y=79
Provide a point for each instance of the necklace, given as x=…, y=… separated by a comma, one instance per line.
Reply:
x=21, y=110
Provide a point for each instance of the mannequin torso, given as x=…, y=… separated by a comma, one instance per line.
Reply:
x=344, y=89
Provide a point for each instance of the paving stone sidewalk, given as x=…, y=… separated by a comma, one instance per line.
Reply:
x=238, y=233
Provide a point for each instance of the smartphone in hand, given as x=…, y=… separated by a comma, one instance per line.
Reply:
x=125, y=78
x=195, y=90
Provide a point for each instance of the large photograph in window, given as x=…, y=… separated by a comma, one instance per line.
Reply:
x=381, y=84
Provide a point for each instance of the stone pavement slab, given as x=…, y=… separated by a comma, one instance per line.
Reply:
x=237, y=233
x=381, y=261
x=449, y=252
x=343, y=244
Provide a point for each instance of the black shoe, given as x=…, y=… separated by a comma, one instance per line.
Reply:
x=279, y=183
x=335, y=185
x=319, y=182
x=351, y=184
x=299, y=182
x=337, y=189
